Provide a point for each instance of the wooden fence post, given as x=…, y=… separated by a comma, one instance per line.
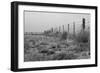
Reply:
x=83, y=24
x=74, y=28
x=68, y=28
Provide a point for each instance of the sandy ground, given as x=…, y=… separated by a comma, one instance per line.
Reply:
x=42, y=48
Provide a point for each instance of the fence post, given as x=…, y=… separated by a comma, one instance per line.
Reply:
x=68, y=28
x=63, y=28
x=59, y=28
x=74, y=28
x=83, y=24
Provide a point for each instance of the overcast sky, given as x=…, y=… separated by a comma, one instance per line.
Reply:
x=40, y=21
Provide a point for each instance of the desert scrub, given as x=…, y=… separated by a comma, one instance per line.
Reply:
x=26, y=47
x=34, y=57
x=64, y=56
x=64, y=36
x=78, y=49
x=83, y=37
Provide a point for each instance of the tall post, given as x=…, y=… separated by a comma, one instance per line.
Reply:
x=83, y=24
x=59, y=28
x=63, y=28
x=68, y=28
x=74, y=28
x=51, y=29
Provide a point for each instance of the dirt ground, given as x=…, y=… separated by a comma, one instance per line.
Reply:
x=44, y=48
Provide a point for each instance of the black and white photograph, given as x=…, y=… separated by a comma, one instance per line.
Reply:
x=56, y=36
x=52, y=36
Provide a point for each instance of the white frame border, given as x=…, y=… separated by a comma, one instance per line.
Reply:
x=22, y=64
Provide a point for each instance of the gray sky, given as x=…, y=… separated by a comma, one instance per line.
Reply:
x=40, y=21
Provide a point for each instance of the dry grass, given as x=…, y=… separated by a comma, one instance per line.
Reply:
x=42, y=48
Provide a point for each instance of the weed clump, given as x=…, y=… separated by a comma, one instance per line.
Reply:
x=83, y=37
